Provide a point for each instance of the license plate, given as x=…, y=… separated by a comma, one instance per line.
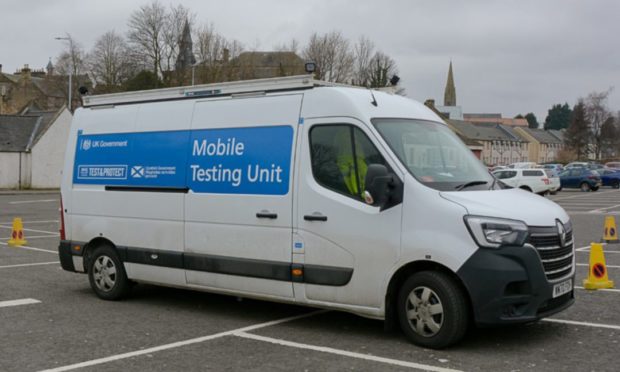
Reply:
x=562, y=288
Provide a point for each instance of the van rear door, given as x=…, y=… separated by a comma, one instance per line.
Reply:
x=238, y=212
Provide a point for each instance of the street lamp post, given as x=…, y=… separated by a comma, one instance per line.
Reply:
x=69, y=105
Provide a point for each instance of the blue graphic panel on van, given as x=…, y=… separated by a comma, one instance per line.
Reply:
x=228, y=161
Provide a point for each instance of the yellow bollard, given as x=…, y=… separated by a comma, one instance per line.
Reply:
x=17, y=233
x=597, y=275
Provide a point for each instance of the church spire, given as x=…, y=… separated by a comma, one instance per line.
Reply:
x=449, y=97
x=186, y=57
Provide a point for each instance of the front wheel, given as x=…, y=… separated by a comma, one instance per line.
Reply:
x=585, y=187
x=615, y=184
x=106, y=274
x=432, y=310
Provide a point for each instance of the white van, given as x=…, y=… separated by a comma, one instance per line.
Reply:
x=296, y=191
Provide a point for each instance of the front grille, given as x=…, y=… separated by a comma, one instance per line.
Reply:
x=557, y=260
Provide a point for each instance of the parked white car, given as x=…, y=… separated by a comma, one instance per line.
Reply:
x=554, y=180
x=533, y=180
x=522, y=165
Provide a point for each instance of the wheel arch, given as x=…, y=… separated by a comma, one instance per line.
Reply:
x=404, y=272
x=90, y=247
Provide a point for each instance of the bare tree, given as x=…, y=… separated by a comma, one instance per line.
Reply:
x=363, y=52
x=382, y=68
x=597, y=113
x=291, y=46
x=109, y=62
x=214, y=55
x=71, y=61
x=146, y=34
x=333, y=56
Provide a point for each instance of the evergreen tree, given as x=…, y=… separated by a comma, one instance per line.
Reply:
x=144, y=80
x=532, y=122
x=558, y=117
x=577, y=136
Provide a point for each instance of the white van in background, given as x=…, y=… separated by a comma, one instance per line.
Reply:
x=297, y=191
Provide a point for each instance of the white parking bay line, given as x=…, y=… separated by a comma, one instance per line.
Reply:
x=36, y=237
x=31, y=248
x=25, y=301
x=29, y=264
x=604, y=209
x=33, y=230
x=608, y=266
x=602, y=290
x=30, y=222
x=583, y=195
x=173, y=345
x=35, y=201
x=586, y=324
x=323, y=349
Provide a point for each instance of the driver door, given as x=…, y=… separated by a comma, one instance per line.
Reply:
x=346, y=246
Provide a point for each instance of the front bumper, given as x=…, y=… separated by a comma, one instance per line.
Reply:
x=509, y=285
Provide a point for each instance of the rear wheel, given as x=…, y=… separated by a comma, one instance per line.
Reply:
x=585, y=187
x=525, y=188
x=432, y=310
x=106, y=274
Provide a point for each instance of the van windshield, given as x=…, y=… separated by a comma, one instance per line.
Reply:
x=434, y=155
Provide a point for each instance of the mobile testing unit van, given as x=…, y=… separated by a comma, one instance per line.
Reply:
x=300, y=191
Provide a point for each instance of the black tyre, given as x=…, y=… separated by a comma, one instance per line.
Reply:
x=525, y=188
x=106, y=274
x=432, y=310
x=585, y=187
x=615, y=184
x=560, y=189
x=595, y=188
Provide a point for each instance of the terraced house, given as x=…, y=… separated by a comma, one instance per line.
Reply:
x=544, y=145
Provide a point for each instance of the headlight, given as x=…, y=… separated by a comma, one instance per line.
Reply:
x=496, y=232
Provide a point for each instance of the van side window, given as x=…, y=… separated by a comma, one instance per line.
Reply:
x=340, y=158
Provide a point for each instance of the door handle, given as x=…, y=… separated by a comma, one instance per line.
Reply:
x=315, y=217
x=265, y=214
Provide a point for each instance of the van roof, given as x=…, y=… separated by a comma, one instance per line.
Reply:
x=244, y=87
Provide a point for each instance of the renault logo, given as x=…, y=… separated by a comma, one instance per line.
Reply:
x=561, y=232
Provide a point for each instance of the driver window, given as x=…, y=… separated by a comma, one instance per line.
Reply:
x=340, y=156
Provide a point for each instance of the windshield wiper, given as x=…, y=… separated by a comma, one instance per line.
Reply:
x=471, y=183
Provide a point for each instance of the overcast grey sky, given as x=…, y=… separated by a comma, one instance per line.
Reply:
x=509, y=56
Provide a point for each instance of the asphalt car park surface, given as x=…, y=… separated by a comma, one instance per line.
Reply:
x=50, y=319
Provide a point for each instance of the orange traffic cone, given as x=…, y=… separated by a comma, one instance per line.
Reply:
x=17, y=233
x=597, y=275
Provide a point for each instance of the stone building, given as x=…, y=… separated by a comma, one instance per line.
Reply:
x=27, y=87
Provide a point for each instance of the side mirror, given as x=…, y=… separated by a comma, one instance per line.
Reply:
x=377, y=183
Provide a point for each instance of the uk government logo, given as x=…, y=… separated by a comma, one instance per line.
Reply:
x=86, y=145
